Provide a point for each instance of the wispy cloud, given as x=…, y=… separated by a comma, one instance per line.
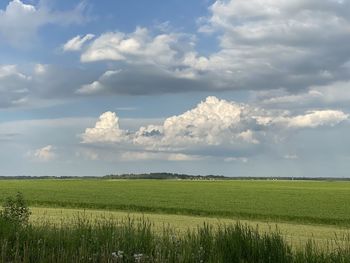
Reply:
x=44, y=154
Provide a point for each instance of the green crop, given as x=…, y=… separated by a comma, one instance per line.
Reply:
x=296, y=201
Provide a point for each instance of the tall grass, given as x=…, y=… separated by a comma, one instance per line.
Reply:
x=136, y=240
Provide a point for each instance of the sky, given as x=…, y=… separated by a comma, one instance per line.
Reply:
x=225, y=87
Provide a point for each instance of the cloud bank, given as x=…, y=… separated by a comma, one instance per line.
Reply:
x=262, y=45
x=213, y=127
x=298, y=48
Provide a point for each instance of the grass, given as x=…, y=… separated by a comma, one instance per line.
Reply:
x=295, y=234
x=292, y=201
x=131, y=240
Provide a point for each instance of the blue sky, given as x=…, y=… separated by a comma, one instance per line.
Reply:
x=232, y=87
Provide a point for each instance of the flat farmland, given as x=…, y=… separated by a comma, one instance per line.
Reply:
x=314, y=202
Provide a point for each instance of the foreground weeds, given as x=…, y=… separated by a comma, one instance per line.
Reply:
x=135, y=240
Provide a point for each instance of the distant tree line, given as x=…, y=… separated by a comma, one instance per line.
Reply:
x=213, y=177
x=165, y=176
x=173, y=176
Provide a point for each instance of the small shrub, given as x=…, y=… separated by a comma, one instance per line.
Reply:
x=16, y=210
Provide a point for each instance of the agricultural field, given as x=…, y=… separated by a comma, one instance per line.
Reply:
x=95, y=220
x=308, y=202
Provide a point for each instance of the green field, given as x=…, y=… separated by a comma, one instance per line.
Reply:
x=94, y=220
x=290, y=201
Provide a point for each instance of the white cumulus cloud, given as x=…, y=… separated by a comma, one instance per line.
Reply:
x=163, y=62
x=214, y=125
x=106, y=130
x=137, y=47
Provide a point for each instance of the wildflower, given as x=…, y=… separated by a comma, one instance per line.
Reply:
x=138, y=257
x=118, y=254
